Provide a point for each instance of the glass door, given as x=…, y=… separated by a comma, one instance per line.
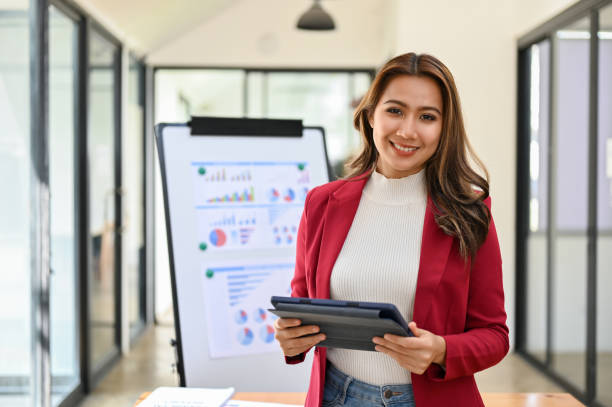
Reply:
x=16, y=364
x=604, y=211
x=133, y=237
x=102, y=146
x=63, y=308
x=537, y=265
x=570, y=202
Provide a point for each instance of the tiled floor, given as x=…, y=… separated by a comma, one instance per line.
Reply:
x=148, y=365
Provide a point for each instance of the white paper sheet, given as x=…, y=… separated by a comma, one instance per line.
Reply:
x=192, y=397
x=240, y=403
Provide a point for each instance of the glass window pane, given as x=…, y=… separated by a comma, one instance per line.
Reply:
x=132, y=242
x=361, y=84
x=163, y=291
x=15, y=365
x=319, y=99
x=571, y=118
x=604, y=211
x=101, y=183
x=256, y=92
x=181, y=93
x=537, y=263
x=64, y=343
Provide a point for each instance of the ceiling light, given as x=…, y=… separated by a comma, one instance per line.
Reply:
x=315, y=18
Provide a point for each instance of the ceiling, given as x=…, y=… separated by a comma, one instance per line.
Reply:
x=246, y=32
x=147, y=25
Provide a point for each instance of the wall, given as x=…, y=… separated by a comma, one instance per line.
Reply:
x=529, y=14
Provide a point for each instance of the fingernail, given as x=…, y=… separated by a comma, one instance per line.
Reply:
x=315, y=329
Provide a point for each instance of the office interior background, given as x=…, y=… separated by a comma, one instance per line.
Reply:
x=82, y=230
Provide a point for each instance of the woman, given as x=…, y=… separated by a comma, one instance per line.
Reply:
x=411, y=225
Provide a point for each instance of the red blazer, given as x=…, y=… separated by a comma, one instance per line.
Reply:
x=462, y=304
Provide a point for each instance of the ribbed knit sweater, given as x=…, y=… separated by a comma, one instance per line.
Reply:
x=379, y=262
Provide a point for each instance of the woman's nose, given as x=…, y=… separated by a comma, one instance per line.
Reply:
x=407, y=128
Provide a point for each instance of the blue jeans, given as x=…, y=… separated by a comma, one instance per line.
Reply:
x=343, y=390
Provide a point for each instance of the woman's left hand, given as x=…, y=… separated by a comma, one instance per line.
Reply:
x=414, y=353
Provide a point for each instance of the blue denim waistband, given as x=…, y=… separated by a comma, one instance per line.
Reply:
x=386, y=394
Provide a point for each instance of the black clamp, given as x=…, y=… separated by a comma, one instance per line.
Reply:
x=222, y=126
x=176, y=366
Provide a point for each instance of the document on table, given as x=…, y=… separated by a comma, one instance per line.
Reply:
x=240, y=403
x=187, y=397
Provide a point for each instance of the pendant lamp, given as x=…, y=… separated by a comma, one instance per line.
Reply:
x=315, y=18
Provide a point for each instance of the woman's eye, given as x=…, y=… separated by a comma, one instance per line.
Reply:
x=394, y=110
x=429, y=117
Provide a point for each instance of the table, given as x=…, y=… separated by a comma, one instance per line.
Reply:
x=490, y=399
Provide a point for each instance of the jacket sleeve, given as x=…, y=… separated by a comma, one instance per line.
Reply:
x=484, y=342
x=298, y=283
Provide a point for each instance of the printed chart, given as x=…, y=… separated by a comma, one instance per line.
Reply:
x=249, y=228
x=237, y=296
x=249, y=205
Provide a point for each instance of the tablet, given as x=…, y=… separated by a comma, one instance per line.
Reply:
x=346, y=324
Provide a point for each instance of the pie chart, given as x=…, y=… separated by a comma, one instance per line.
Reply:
x=289, y=195
x=273, y=195
x=266, y=333
x=260, y=315
x=218, y=237
x=245, y=336
x=303, y=193
x=241, y=317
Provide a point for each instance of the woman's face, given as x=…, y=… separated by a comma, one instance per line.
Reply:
x=407, y=124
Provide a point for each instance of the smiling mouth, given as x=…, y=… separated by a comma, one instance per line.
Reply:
x=404, y=149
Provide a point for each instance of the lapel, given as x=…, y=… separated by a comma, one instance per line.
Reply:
x=341, y=209
x=435, y=249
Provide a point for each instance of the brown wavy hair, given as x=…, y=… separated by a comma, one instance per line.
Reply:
x=456, y=190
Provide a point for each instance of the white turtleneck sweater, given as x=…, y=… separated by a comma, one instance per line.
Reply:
x=379, y=262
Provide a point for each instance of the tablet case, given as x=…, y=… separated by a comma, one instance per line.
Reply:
x=346, y=324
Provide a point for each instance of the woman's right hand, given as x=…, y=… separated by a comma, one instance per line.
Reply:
x=290, y=334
